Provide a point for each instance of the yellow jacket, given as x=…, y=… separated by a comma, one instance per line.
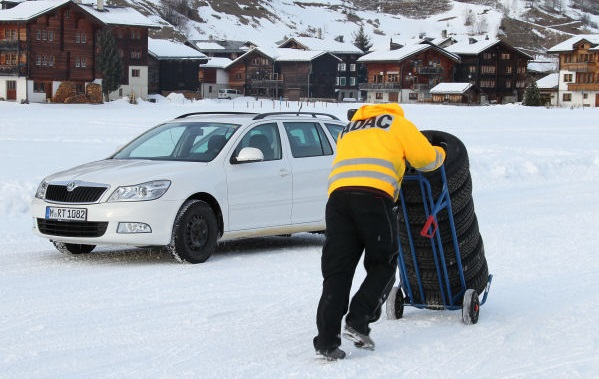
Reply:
x=373, y=147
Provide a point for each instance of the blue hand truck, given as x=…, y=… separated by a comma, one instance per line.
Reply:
x=412, y=292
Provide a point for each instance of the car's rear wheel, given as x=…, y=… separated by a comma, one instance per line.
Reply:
x=194, y=233
x=73, y=248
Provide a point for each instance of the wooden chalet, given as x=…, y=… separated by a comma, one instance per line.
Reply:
x=45, y=43
x=454, y=93
x=407, y=74
x=283, y=72
x=223, y=48
x=578, y=71
x=347, y=79
x=213, y=76
x=496, y=68
x=173, y=67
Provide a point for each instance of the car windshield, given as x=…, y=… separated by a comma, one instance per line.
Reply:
x=180, y=141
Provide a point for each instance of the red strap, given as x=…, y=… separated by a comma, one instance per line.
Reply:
x=430, y=221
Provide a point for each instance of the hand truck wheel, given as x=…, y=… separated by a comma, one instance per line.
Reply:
x=395, y=304
x=470, y=307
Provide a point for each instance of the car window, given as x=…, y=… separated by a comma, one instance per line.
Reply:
x=334, y=129
x=307, y=139
x=187, y=141
x=264, y=137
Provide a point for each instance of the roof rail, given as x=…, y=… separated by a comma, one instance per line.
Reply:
x=206, y=113
x=313, y=114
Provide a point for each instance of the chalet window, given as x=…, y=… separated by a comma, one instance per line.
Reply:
x=567, y=97
x=39, y=87
x=472, y=69
x=378, y=95
x=44, y=60
x=585, y=95
x=38, y=35
x=567, y=78
x=487, y=69
x=51, y=61
x=135, y=34
x=393, y=77
x=505, y=56
x=135, y=73
x=341, y=67
x=352, y=67
x=50, y=35
x=488, y=56
x=135, y=54
x=522, y=70
x=78, y=37
x=508, y=83
x=83, y=37
x=67, y=13
x=508, y=70
x=413, y=96
x=83, y=62
x=343, y=81
x=487, y=83
x=78, y=62
x=38, y=60
x=44, y=35
x=352, y=81
x=337, y=81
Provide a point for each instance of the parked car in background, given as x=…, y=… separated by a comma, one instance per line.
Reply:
x=189, y=182
x=227, y=93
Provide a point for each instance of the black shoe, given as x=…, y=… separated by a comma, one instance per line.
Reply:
x=363, y=341
x=330, y=355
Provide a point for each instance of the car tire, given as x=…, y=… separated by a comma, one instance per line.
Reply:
x=73, y=248
x=195, y=232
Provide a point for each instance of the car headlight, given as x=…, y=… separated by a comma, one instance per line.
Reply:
x=141, y=192
x=41, y=190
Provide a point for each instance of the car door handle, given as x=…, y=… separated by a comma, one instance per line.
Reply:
x=284, y=172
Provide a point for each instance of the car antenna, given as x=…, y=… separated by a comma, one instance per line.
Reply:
x=300, y=108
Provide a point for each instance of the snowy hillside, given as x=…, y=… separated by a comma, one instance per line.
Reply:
x=524, y=23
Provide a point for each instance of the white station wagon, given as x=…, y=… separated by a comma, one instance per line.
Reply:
x=194, y=180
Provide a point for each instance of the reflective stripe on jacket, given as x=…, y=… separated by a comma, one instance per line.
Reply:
x=372, y=148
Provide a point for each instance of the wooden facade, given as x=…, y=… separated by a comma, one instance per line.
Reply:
x=496, y=68
x=59, y=45
x=405, y=76
x=310, y=79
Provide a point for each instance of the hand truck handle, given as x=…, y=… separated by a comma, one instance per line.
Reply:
x=430, y=221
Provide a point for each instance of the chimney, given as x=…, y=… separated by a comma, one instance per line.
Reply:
x=471, y=41
x=100, y=5
x=444, y=33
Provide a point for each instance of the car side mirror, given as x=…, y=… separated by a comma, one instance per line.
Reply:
x=249, y=154
x=351, y=113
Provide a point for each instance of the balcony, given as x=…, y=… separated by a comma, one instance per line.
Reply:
x=579, y=67
x=382, y=87
x=8, y=70
x=580, y=87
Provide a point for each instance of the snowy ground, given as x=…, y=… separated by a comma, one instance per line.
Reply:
x=249, y=311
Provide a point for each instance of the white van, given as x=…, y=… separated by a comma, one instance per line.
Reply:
x=228, y=93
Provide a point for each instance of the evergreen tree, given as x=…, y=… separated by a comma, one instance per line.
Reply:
x=109, y=63
x=532, y=96
x=361, y=40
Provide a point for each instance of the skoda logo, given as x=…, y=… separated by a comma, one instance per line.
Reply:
x=71, y=186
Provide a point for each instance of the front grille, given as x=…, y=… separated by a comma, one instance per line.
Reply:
x=80, y=194
x=71, y=228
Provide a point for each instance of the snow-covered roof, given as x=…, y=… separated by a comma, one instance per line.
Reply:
x=450, y=88
x=216, y=62
x=164, y=49
x=568, y=45
x=208, y=45
x=332, y=46
x=550, y=81
x=403, y=53
x=286, y=54
x=467, y=48
x=28, y=10
x=110, y=15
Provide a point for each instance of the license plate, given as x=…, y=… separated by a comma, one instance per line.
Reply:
x=60, y=213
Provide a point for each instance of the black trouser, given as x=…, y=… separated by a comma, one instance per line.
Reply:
x=356, y=221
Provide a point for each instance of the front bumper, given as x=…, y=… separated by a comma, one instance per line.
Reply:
x=158, y=214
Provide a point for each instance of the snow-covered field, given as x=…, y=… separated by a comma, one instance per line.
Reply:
x=249, y=312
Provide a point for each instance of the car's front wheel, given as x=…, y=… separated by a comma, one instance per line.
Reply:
x=73, y=248
x=194, y=233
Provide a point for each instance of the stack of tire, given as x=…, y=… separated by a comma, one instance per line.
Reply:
x=423, y=269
